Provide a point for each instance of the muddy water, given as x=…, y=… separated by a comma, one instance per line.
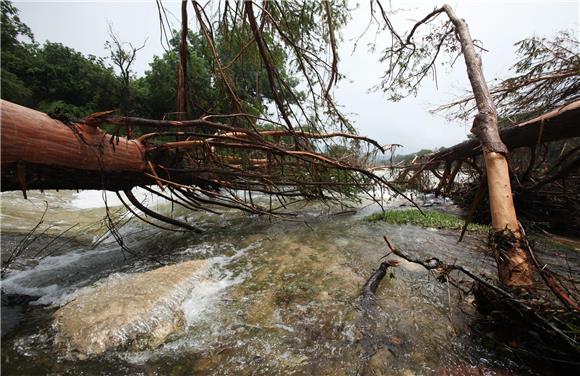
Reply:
x=280, y=298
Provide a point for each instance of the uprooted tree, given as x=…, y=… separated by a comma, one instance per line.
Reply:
x=550, y=307
x=207, y=161
x=411, y=58
x=220, y=159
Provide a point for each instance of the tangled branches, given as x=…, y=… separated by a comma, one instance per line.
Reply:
x=201, y=164
x=547, y=75
x=288, y=40
x=226, y=159
x=535, y=317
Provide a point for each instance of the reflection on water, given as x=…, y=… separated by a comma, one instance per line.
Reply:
x=280, y=298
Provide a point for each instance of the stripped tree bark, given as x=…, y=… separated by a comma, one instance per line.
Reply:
x=412, y=57
x=514, y=266
x=39, y=152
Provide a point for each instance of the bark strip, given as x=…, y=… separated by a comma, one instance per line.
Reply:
x=34, y=138
x=514, y=266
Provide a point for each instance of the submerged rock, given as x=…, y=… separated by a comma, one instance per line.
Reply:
x=135, y=311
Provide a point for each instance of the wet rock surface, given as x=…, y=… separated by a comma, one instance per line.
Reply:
x=139, y=310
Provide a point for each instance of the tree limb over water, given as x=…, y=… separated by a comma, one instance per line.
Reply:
x=221, y=168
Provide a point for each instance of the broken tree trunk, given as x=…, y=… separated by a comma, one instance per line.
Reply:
x=561, y=123
x=514, y=266
x=39, y=152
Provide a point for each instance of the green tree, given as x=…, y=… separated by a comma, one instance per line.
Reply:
x=17, y=46
x=62, y=77
x=156, y=91
x=52, y=77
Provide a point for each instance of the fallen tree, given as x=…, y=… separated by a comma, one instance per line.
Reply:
x=39, y=152
x=561, y=123
x=193, y=168
x=220, y=159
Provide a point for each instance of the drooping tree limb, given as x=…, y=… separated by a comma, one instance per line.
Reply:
x=226, y=80
x=210, y=168
x=133, y=200
x=182, y=86
x=334, y=71
x=267, y=59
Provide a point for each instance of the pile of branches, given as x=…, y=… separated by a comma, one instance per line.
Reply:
x=203, y=164
x=538, y=324
x=545, y=172
x=226, y=160
x=544, y=87
x=545, y=185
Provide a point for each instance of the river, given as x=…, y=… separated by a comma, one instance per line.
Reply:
x=278, y=297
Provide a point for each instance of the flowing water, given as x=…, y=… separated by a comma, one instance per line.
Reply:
x=277, y=297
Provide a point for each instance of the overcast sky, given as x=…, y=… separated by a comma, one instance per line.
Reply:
x=82, y=25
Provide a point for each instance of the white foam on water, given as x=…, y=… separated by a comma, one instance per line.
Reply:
x=96, y=199
x=65, y=295
x=206, y=295
x=201, y=303
x=14, y=288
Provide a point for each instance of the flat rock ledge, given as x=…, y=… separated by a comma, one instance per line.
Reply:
x=135, y=311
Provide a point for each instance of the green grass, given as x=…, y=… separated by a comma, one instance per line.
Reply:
x=432, y=219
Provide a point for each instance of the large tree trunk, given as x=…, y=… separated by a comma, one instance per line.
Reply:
x=39, y=152
x=559, y=124
x=513, y=263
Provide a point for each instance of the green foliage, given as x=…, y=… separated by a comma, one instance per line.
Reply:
x=14, y=89
x=431, y=219
x=51, y=77
x=62, y=108
x=63, y=74
x=157, y=90
x=55, y=77
x=15, y=52
x=12, y=27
